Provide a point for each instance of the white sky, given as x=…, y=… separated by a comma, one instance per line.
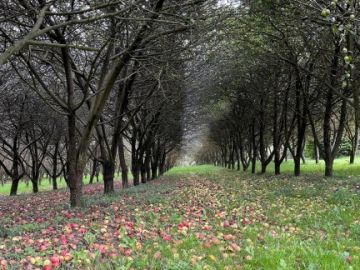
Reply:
x=230, y=2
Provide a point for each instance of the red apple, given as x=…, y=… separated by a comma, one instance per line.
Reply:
x=166, y=237
x=55, y=260
x=48, y=265
x=128, y=252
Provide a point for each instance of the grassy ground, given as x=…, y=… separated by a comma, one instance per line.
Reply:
x=44, y=185
x=341, y=168
x=27, y=187
x=201, y=217
x=295, y=223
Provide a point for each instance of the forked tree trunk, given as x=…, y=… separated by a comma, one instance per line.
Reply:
x=329, y=149
x=93, y=171
x=330, y=155
x=76, y=163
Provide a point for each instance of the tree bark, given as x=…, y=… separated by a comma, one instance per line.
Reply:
x=254, y=148
x=93, y=171
x=135, y=173
x=316, y=152
x=14, y=186
x=354, y=145
x=75, y=181
x=301, y=127
x=123, y=166
x=143, y=174
x=35, y=185
x=109, y=171
x=54, y=171
x=276, y=135
x=328, y=149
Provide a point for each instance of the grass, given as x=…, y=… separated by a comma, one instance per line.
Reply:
x=341, y=168
x=203, y=169
x=199, y=217
x=310, y=222
x=44, y=185
x=26, y=187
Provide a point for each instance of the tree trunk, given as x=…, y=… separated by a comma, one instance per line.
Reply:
x=301, y=127
x=15, y=168
x=75, y=182
x=244, y=160
x=14, y=186
x=143, y=174
x=254, y=150
x=35, y=185
x=297, y=166
x=135, y=173
x=145, y=170
x=162, y=162
x=54, y=183
x=329, y=167
x=303, y=159
x=277, y=168
x=328, y=151
x=123, y=166
x=232, y=157
x=93, y=171
x=161, y=169
x=276, y=135
x=316, y=152
x=262, y=146
x=148, y=172
x=76, y=164
x=263, y=168
x=154, y=170
x=354, y=145
x=108, y=174
x=253, y=163
x=54, y=171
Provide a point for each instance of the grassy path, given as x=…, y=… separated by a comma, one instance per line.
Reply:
x=193, y=218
